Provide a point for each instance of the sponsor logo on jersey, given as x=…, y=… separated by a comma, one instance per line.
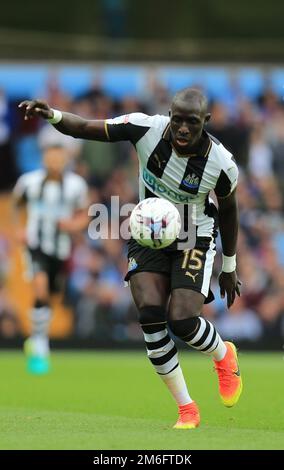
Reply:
x=162, y=190
x=191, y=181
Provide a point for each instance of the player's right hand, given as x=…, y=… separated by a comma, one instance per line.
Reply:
x=36, y=108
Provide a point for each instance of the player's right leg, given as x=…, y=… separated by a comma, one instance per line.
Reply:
x=151, y=293
x=37, y=345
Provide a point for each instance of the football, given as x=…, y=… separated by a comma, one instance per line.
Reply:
x=155, y=223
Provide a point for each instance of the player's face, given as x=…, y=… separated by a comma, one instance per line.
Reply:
x=55, y=160
x=187, y=121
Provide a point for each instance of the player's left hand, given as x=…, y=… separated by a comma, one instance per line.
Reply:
x=230, y=285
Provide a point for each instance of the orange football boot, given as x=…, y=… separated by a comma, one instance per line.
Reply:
x=189, y=417
x=230, y=381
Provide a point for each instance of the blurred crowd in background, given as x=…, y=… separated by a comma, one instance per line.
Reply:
x=252, y=129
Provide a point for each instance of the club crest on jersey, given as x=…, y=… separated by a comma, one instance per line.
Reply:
x=132, y=264
x=191, y=181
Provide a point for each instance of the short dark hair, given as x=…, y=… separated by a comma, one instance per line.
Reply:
x=188, y=93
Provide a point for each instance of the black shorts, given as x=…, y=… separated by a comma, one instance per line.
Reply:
x=37, y=261
x=188, y=269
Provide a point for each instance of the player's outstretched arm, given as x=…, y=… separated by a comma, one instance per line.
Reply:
x=67, y=123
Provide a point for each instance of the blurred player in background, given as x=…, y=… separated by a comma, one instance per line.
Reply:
x=56, y=204
x=178, y=161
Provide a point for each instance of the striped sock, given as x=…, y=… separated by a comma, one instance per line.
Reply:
x=206, y=339
x=40, y=317
x=163, y=354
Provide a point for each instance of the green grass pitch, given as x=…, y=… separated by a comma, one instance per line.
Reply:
x=112, y=400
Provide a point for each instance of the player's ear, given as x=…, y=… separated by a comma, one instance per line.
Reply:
x=207, y=118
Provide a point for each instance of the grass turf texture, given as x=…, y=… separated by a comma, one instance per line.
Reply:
x=104, y=400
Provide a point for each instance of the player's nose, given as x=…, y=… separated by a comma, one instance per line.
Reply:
x=183, y=131
x=184, y=128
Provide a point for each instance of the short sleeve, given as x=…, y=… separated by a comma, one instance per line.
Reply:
x=130, y=127
x=20, y=189
x=227, y=180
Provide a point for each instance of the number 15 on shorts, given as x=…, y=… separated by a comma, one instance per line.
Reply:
x=192, y=261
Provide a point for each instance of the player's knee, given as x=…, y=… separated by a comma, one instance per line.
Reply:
x=183, y=312
x=151, y=314
x=146, y=298
x=184, y=328
x=185, y=304
x=149, y=289
x=145, y=302
x=40, y=288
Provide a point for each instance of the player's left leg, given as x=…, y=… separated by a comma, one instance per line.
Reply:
x=191, y=273
x=187, y=324
x=43, y=270
x=37, y=345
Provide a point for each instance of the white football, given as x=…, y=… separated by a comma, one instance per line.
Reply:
x=155, y=223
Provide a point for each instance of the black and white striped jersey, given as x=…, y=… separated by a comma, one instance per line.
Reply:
x=164, y=173
x=47, y=202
